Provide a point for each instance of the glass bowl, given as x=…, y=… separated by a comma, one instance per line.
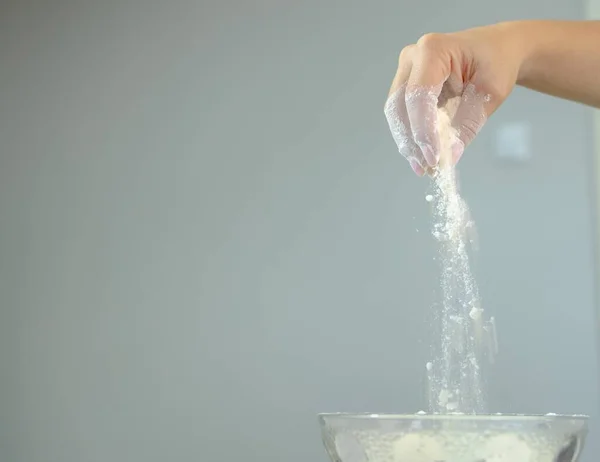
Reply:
x=453, y=437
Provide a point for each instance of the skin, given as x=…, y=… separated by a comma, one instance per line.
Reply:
x=479, y=68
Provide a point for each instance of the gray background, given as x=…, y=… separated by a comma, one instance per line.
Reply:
x=207, y=235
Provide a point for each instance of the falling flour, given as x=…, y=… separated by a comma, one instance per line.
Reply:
x=455, y=374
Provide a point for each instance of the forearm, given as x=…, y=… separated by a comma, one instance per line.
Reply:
x=560, y=58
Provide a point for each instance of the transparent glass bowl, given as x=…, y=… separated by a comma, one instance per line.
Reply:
x=453, y=437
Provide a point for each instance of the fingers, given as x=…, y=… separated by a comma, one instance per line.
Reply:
x=421, y=108
x=429, y=76
x=403, y=71
x=411, y=108
x=430, y=69
x=397, y=115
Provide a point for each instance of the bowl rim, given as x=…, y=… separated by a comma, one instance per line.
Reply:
x=452, y=416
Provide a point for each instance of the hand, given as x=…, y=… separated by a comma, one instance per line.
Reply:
x=478, y=68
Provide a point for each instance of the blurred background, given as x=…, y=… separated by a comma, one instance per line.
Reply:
x=207, y=235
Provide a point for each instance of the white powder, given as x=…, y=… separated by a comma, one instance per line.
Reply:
x=455, y=377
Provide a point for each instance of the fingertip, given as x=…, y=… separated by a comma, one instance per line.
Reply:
x=414, y=164
x=429, y=154
x=458, y=148
x=422, y=106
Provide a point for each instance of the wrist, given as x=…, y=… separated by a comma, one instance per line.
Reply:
x=523, y=44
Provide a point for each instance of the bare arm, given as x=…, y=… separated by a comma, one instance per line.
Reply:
x=561, y=58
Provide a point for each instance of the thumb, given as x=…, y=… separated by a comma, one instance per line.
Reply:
x=469, y=119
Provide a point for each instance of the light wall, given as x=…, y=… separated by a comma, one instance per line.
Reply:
x=207, y=235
